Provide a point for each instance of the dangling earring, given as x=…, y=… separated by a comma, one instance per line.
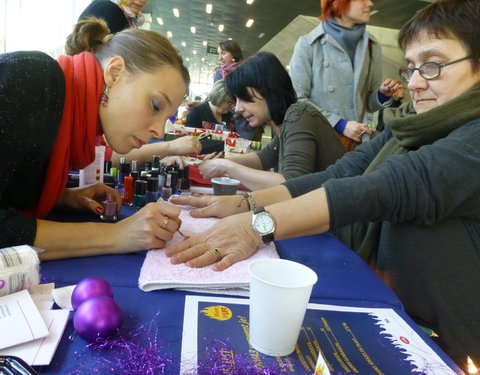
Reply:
x=233, y=59
x=104, y=98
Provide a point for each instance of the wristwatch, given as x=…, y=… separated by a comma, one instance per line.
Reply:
x=263, y=223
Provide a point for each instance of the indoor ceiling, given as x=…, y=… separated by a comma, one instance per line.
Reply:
x=270, y=17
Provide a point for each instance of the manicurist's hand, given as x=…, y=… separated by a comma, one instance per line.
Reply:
x=87, y=198
x=229, y=241
x=211, y=205
x=149, y=228
x=217, y=167
x=185, y=145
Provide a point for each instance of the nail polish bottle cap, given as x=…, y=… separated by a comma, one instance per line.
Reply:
x=140, y=187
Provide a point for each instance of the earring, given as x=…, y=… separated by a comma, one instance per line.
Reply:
x=233, y=59
x=104, y=98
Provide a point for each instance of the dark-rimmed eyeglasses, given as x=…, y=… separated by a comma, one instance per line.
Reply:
x=428, y=70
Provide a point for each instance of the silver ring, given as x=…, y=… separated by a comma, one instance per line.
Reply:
x=218, y=254
x=362, y=133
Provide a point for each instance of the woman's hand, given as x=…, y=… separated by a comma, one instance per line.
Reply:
x=391, y=87
x=229, y=241
x=211, y=205
x=217, y=167
x=149, y=228
x=87, y=198
x=175, y=159
x=185, y=145
x=354, y=130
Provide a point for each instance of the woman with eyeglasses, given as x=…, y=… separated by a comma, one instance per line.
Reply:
x=408, y=201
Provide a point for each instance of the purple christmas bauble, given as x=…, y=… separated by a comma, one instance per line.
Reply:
x=88, y=288
x=97, y=317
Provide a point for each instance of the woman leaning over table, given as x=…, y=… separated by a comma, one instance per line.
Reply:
x=408, y=201
x=304, y=141
x=123, y=86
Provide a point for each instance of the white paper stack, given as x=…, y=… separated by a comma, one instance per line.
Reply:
x=30, y=329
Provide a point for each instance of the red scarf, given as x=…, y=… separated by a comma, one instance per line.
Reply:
x=75, y=143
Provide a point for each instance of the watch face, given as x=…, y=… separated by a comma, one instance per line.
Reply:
x=263, y=223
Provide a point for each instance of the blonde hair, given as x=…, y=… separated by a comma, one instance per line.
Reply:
x=142, y=50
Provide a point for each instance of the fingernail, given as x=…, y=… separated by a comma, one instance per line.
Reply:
x=99, y=210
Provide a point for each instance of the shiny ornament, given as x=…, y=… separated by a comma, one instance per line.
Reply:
x=90, y=287
x=97, y=318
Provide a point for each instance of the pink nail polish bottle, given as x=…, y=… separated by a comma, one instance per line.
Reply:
x=109, y=208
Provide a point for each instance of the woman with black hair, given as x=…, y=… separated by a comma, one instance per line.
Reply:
x=304, y=142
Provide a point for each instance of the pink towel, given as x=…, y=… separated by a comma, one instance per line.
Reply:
x=158, y=273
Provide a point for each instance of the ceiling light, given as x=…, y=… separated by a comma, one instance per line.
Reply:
x=205, y=43
x=261, y=35
x=176, y=13
x=249, y=2
x=208, y=8
x=194, y=52
x=184, y=44
x=203, y=58
x=249, y=23
x=220, y=28
x=169, y=34
x=187, y=59
x=193, y=29
x=159, y=20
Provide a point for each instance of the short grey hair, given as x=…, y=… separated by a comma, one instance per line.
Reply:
x=218, y=94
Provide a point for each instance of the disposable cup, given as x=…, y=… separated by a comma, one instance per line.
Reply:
x=225, y=186
x=279, y=293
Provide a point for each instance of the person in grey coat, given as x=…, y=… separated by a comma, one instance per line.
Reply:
x=338, y=67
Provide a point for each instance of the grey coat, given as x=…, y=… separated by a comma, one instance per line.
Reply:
x=322, y=73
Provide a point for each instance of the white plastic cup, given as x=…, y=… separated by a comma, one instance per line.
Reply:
x=279, y=293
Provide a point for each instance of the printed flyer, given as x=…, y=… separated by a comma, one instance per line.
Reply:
x=351, y=340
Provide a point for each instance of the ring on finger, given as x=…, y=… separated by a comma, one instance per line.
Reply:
x=166, y=219
x=218, y=254
x=362, y=133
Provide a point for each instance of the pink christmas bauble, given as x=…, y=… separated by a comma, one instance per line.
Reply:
x=88, y=288
x=97, y=317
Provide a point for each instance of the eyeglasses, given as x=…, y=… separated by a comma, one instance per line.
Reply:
x=429, y=70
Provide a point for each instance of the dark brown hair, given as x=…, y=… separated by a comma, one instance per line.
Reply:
x=459, y=19
x=232, y=47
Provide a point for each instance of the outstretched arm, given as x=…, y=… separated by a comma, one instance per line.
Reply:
x=180, y=146
x=233, y=236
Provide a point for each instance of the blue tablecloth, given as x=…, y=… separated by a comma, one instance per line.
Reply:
x=343, y=278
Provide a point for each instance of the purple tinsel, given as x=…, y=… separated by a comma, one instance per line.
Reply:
x=141, y=352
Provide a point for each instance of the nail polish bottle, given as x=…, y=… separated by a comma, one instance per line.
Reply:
x=152, y=190
x=109, y=208
x=139, y=196
x=166, y=193
x=128, y=190
x=186, y=184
